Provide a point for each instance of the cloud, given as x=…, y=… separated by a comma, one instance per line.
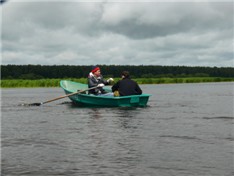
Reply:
x=148, y=33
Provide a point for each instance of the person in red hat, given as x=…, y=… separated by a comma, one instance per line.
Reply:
x=95, y=79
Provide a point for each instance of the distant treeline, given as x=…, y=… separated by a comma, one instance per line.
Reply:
x=31, y=72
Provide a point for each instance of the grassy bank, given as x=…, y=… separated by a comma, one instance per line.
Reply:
x=14, y=83
x=182, y=80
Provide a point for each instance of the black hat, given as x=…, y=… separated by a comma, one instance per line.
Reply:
x=125, y=74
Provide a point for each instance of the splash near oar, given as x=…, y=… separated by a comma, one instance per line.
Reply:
x=58, y=98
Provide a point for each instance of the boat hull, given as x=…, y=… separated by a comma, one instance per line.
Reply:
x=104, y=101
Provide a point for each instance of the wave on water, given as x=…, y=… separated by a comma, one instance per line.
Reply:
x=220, y=117
x=186, y=138
x=180, y=137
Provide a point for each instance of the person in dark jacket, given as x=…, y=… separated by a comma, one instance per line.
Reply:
x=95, y=79
x=126, y=86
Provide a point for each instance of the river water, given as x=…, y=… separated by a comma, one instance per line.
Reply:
x=186, y=130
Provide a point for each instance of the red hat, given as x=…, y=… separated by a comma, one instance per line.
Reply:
x=95, y=68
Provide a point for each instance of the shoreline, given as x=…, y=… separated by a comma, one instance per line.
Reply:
x=19, y=83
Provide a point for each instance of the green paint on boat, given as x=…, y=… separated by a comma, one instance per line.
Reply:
x=84, y=99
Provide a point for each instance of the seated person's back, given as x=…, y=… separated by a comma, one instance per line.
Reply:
x=126, y=86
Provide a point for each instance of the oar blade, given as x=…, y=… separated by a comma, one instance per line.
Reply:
x=58, y=98
x=35, y=104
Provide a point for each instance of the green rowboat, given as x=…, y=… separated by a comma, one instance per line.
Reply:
x=85, y=99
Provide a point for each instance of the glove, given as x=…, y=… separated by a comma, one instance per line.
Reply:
x=110, y=80
x=100, y=85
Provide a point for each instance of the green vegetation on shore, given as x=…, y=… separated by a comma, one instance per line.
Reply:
x=16, y=83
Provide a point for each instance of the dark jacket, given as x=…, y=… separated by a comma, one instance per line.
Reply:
x=127, y=87
x=93, y=82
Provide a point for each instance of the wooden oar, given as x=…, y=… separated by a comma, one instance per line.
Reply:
x=58, y=98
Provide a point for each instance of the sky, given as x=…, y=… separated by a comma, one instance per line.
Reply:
x=114, y=32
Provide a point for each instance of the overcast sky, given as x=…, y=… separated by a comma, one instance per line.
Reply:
x=72, y=32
